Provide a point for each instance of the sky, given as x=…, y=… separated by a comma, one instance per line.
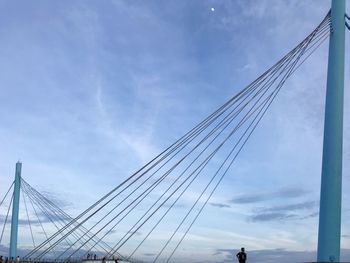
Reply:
x=92, y=90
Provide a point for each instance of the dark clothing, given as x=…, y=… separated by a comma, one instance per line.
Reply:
x=242, y=257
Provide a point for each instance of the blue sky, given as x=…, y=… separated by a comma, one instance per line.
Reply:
x=92, y=90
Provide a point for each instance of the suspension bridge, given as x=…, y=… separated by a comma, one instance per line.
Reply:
x=110, y=229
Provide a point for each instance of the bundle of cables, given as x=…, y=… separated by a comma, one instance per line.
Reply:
x=196, y=163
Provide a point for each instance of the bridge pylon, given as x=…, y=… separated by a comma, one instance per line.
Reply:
x=331, y=180
x=15, y=211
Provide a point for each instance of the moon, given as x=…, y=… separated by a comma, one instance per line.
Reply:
x=212, y=9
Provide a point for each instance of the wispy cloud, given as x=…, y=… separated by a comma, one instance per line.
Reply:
x=220, y=205
x=260, y=197
x=290, y=207
x=264, y=217
x=57, y=199
x=284, y=212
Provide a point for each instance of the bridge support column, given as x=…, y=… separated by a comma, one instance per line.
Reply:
x=331, y=182
x=15, y=210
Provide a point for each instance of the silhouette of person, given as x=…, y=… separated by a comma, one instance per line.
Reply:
x=95, y=256
x=104, y=260
x=241, y=256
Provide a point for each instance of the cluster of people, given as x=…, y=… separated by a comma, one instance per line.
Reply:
x=90, y=256
x=94, y=257
x=116, y=260
x=9, y=260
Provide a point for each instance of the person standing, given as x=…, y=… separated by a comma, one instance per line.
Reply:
x=241, y=256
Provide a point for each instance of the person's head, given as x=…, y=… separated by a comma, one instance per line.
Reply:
x=242, y=249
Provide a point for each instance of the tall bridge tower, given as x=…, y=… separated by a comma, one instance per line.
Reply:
x=15, y=211
x=331, y=180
